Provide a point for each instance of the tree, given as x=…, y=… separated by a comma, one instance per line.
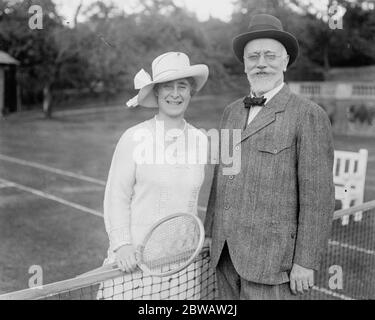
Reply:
x=32, y=47
x=352, y=45
x=50, y=57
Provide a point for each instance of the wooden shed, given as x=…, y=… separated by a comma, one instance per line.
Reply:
x=9, y=101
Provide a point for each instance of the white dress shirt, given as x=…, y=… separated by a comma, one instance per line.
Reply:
x=269, y=95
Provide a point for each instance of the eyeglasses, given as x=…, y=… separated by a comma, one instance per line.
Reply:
x=269, y=57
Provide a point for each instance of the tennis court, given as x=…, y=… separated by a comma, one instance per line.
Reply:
x=52, y=178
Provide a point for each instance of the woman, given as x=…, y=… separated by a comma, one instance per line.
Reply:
x=155, y=170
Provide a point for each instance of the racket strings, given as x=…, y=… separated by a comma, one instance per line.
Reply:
x=173, y=241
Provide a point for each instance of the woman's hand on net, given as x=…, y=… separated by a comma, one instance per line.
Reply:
x=126, y=258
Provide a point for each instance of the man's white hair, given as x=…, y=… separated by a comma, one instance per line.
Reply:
x=284, y=53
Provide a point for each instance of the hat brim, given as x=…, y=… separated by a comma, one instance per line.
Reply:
x=198, y=72
x=288, y=41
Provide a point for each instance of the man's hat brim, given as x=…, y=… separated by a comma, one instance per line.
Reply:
x=285, y=38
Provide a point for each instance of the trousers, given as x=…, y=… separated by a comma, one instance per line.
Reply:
x=232, y=286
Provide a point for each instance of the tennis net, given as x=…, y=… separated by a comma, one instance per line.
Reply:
x=196, y=282
x=348, y=267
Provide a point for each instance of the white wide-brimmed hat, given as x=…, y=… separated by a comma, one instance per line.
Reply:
x=167, y=67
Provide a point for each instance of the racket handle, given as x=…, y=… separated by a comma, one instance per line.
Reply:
x=207, y=243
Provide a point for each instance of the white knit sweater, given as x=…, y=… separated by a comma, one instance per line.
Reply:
x=142, y=190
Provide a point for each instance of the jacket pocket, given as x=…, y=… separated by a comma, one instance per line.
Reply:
x=275, y=148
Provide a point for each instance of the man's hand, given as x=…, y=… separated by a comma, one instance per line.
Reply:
x=301, y=279
x=126, y=258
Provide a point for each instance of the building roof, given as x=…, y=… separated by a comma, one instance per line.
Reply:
x=7, y=59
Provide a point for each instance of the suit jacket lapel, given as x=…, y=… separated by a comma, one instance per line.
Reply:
x=238, y=118
x=268, y=113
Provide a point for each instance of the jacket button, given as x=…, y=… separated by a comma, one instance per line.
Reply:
x=275, y=151
x=292, y=235
x=226, y=207
x=237, y=148
x=231, y=177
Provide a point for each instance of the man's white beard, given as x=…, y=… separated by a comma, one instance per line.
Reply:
x=265, y=84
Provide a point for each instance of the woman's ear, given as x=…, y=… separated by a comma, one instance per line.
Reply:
x=155, y=88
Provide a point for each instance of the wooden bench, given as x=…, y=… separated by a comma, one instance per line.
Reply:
x=349, y=173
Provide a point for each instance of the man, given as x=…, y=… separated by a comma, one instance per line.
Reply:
x=270, y=222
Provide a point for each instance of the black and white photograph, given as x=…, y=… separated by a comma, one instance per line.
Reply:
x=190, y=150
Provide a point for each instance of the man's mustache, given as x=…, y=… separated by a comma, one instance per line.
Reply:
x=261, y=72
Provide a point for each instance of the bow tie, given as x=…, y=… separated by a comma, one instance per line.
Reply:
x=253, y=101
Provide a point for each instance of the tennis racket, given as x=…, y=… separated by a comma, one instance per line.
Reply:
x=169, y=246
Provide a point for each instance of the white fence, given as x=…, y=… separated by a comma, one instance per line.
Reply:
x=335, y=90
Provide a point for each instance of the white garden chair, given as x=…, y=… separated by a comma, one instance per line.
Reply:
x=349, y=173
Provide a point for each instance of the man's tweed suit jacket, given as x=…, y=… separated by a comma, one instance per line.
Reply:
x=278, y=209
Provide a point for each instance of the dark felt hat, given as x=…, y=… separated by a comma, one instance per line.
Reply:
x=266, y=26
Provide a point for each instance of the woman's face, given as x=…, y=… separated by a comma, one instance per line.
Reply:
x=173, y=97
